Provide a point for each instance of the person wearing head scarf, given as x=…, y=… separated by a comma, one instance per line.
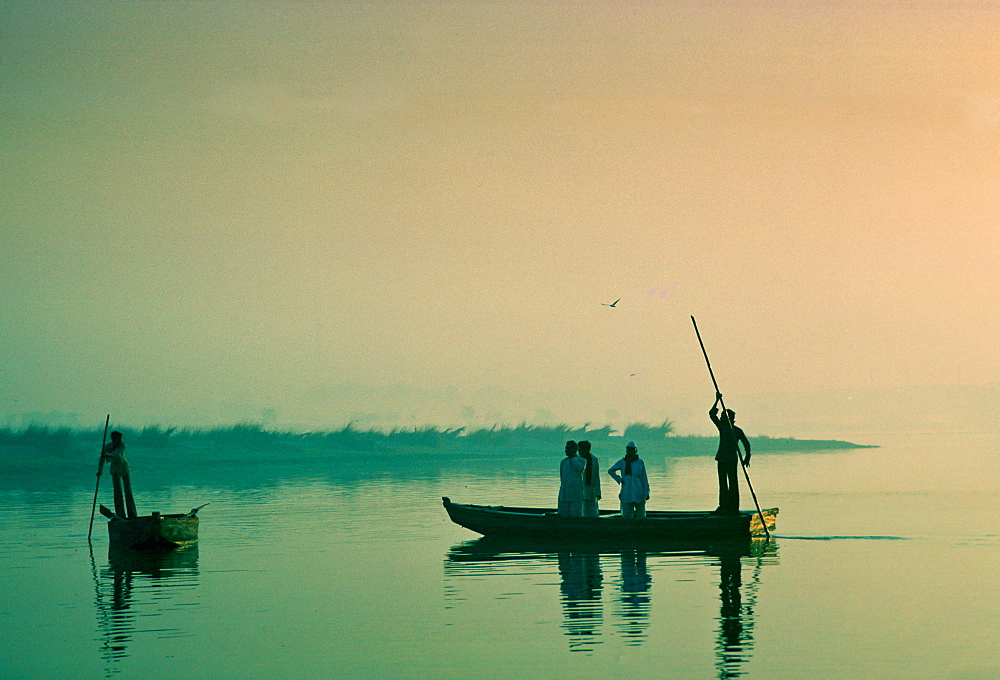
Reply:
x=630, y=473
x=571, y=482
x=591, y=481
x=114, y=453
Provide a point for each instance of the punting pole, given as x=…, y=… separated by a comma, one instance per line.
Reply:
x=739, y=453
x=100, y=468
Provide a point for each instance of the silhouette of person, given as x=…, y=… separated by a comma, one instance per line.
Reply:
x=728, y=456
x=114, y=452
x=591, y=481
x=634, y=490
x=571, y=482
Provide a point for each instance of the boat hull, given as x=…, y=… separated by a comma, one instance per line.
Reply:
x=524, y=523
x=152, y=532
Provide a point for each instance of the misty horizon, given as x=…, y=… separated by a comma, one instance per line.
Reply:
x=927, y=408
x=415, y=213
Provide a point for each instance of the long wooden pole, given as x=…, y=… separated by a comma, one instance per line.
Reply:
x=725, y=416
x=100, y=468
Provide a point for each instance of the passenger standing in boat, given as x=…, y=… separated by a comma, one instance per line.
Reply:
x=591, y=481
x=114, y=452
x=728, y=456
x=571, y=482
x=635, y=485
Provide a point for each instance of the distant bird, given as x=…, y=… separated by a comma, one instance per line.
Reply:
x=605, y=304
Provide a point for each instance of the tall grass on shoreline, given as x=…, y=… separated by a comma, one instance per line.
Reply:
x=64, y=439
x=66, y=442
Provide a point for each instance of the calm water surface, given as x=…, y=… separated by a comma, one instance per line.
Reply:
x=885, y=565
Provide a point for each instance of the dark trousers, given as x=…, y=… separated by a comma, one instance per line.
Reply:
x=124, y=503
x=729, y=487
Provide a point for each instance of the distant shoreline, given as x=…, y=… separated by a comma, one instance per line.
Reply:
x=524, y=438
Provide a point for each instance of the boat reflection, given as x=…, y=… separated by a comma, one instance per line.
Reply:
x=134, y=586
x=620, y=578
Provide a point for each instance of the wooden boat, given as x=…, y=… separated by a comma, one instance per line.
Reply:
x=522, y=523
x=152, y=532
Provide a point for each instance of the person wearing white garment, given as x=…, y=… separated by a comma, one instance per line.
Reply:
x=634, y=484
x=121, y=482
x=591, y=481
x=571, y=482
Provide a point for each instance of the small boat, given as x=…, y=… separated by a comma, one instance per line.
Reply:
x=657, y=525
x=153, y=532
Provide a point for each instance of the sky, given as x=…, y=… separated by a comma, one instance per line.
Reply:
x=306, y=214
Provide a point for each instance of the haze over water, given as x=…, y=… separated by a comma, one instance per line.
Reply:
x=347, y=566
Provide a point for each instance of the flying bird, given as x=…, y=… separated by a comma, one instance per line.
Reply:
x=605, y=304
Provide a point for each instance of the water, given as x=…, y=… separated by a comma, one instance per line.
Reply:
x=885, y=565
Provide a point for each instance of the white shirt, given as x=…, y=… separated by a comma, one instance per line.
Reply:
x=635, y=487
x=571, y=479
x=116, y=454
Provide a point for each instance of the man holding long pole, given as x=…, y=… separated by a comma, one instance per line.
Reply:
x=731, y=481
x=120, y=477
x=728, y=456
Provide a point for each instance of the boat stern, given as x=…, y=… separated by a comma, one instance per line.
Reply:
x=770, y=516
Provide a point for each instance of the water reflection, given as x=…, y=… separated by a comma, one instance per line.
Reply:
x=735, y=640
x=634, y=597
x=581, y=583
x=135, y=585
x=621, y=579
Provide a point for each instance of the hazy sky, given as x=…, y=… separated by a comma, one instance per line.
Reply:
x=399, y=212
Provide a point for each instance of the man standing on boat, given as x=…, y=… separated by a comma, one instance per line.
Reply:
x=115, y=453
x=571, y=482
x=728, y=456
x=635, y=485
x=591, y=481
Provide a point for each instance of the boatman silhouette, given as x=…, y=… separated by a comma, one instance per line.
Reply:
x=728, y=456
x=120, y=477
